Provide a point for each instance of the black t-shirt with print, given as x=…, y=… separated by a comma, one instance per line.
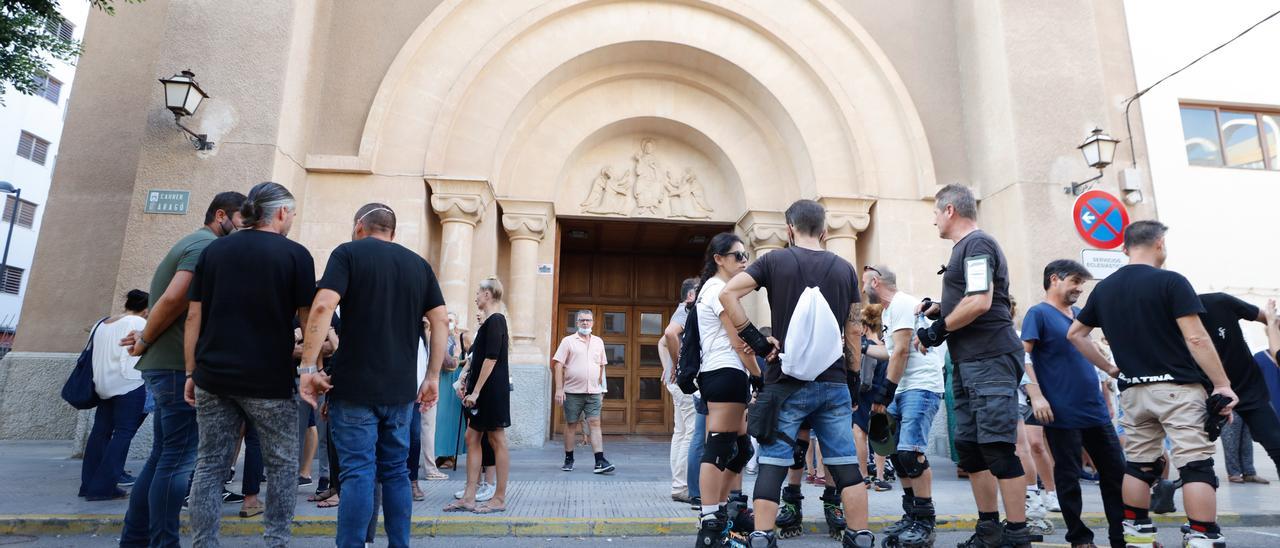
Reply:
x=1138, y=308
x=250, y=285
x=1221, y=317
x=386, y=290
x=990, y=334
x=785, y=274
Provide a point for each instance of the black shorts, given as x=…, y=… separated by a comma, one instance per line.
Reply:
x=727, y=385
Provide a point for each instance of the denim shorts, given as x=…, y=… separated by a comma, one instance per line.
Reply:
x=828, y=410
x=914, y=411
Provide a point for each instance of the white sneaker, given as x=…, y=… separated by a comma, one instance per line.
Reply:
x=1035, y=508
x=479, y=492
x=1050, y=499
x=1196, y=539
x=1139, y=535
x=485, y=492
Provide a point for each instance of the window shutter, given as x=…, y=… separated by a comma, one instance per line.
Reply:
x=12, y=281
x=25, y=144
x=40, y=152
x=52, y=89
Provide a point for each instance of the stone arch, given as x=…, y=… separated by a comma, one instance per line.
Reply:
x=859, y=132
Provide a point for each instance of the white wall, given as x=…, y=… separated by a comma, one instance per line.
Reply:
x=43, y=118
x=1222, y=220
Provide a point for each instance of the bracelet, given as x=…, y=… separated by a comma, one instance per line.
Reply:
x=142, y=341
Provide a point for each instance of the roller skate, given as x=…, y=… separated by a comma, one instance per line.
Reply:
x=1037, y=515
x=1140, y=534
x=919, y=533
x=986, y=534
x=716, y=532
x=1021, y=538
x=762, y=539
x=857, y=539
x=891, y=532
x=790, y=517
x=833, y=513
x=1198, y=539
x=742, y=517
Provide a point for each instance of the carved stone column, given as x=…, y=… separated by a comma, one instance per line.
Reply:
x=460, y=205
x=846, y=217
x=526, y=223
x=765, y=231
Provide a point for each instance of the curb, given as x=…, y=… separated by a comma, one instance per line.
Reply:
x=463, y=526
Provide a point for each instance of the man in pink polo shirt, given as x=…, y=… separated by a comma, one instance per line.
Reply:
x=579, y=371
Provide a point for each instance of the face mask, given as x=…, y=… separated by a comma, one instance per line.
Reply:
x=452, y=325
x=584, y=331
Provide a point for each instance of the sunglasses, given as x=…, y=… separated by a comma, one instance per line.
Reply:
x=741, y=256
x=871, y=269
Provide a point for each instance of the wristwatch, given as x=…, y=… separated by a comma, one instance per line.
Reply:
x=307, y=370
x=143, y=341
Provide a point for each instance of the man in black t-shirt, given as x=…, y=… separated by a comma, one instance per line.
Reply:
x=824, y=403
x=1222, y=316
x=1165, y=360
x=977, y=326
x=385, y=291
x=244, y=294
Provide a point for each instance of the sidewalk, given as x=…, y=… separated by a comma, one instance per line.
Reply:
x=542, y=500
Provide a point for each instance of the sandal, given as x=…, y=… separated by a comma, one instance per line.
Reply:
x=1253, y=478
x=248, y=511
x=322, y=495
x=437, y=476
x=1235, y=479
x=418, y=495
x=459, y=506
x=487, y=508
x=331, y=502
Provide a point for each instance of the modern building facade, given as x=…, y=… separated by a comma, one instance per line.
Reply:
x=583, y=151
x=1212, y=129
x=30, y=131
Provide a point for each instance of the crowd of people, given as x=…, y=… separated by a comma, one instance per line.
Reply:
x=238, y=345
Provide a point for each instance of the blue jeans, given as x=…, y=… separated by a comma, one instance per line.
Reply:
x=696, y=444
x=114, y=423
x=415, y=443
x=372, y=440
x=254, y=469
x=828, y=409
x=914, y=411
x=156, y=500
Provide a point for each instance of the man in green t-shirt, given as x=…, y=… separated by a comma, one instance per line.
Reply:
x=158, y=491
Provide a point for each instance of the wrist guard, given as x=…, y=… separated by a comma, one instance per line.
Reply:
x=757, y=383
x=886, y=392
x=756, y=340
x=934, y=335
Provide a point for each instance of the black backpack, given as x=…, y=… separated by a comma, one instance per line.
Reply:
x=690, y=354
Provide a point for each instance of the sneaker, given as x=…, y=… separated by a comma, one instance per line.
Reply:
x=1050, y=500
x=568, y=464
x=229, y=498
x=485, y=492
x=1196, y=539
x=751, y=471
x=1089, y=475
x=459, y=493
x=304, y=481
x=682, y=498
x=126, y=479
x=1162, y=497
x=1139, y=535
x=322, y=486
x=695, y=503
x=882, y=485
x=230, y=476
x=1035, y=506
x=603, y=466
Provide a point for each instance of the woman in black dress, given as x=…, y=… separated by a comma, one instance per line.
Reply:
x=487, y=404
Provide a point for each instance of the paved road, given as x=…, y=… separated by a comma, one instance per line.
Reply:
x=1236, y=538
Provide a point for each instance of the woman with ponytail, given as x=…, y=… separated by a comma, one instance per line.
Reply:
x=724, y=383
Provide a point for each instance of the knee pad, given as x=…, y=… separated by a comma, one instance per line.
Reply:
x=969, y=457
x=1148, y=472
x=798, y=452
x=742, y=455
x=1200, y=471
x=769, y=482
x=1002, y=459
x=719, y=449
x=910, y=464
x=844, y=475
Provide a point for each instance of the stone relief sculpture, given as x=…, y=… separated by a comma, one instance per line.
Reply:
x=685, y=196
x=647, y=190
x=610, y=193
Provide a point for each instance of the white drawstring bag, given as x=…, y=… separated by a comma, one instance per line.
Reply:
x=813, y=339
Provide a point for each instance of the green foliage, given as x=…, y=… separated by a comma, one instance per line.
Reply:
x=30, y=41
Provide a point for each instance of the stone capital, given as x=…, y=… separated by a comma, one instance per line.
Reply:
x=526, y=220
x=764, y=230
x=846, y=217
x=460, y=200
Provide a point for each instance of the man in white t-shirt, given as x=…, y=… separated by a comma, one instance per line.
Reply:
x=911, y=393
x=684, y=415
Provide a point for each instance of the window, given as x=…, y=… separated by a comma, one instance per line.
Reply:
x=26, y=212
x=33, y=148
x=48, y=87
x=61, y=28
x=12, y=281
x=1217, y=136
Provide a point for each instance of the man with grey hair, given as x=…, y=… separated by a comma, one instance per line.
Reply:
x=238, y=346
x=1166, y=364
x=579, y=366
x=911, y=394
x=976, y=323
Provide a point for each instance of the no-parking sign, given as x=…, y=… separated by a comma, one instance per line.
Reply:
x=1100, y=219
